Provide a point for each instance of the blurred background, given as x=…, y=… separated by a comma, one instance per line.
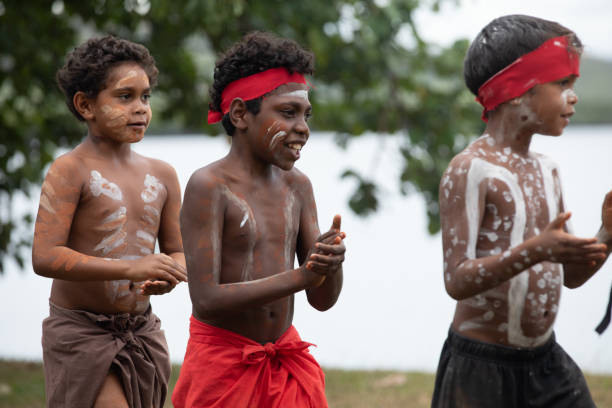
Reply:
x=390, y=110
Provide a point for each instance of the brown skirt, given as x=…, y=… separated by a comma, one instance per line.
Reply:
x=80, y=348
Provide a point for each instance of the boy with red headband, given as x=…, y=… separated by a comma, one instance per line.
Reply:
x=245, y=217
x=507, y=249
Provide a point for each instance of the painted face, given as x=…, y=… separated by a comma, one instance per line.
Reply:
x=551, y=105
x=122, y=111
x=280, y=128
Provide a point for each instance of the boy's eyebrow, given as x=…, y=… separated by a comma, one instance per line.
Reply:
x=130, y=88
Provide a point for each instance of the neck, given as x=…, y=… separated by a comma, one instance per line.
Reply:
x=107, y=147
x=507, y=129
x=245, y=161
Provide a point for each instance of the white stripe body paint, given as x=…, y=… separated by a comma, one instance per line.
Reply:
x=247, y=269
x=152, y=189
x=290, y=231
x=116, y=224
x=517, y=292
x=99, y=185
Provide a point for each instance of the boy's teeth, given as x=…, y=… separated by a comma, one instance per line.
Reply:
x=295, y=146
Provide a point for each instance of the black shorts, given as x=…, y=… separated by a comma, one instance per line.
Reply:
x=482, y=375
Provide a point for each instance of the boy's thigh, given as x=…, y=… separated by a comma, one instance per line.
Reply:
x=558, y=383
x=111, y=394
x=464, y=381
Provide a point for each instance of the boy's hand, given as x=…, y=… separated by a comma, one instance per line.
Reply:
x=149, y=288
x=156, y=267
x=606, y=213
x=328, y=253
x=558, y=246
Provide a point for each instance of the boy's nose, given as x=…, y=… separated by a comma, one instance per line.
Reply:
x=572, y=98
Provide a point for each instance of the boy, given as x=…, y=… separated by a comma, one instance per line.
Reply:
x=506, y=246
x=102, y=207
x=244, y=219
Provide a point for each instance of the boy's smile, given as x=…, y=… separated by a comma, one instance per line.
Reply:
x=121, y=111
x=281, y=128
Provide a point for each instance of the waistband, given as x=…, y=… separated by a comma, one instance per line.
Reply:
x=497, y=352
x=119, y=321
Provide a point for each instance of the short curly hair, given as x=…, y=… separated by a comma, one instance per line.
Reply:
x=256, y=52
x=87, y=66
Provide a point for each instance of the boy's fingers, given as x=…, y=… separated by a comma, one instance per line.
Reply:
x=334, y=249
x=560, y=220
x=336, y=222
x=330, y=260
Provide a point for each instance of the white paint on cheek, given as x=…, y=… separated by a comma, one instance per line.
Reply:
x=101, y=186
x=565, y=95
x=152, y=189
x=276, y=138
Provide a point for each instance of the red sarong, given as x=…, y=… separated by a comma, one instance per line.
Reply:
x=223, y=369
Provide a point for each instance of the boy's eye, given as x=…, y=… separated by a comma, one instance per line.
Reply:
x=308, y=115
x=124, y=97
x=146, y=97
x=288, y=112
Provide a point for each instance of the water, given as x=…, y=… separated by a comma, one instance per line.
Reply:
x=393, y=312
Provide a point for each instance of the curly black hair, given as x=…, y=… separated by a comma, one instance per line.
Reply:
x=256, y=52
x=88, y=65
x=504, y=40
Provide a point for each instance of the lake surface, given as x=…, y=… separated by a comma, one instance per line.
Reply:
x=393, y=312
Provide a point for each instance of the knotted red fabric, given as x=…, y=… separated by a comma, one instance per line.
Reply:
x=223, y=369
x=253, y=86
x=551, y=61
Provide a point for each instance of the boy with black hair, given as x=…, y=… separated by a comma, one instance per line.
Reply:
x=102, y=208
x=244, y=219
x=507, y=250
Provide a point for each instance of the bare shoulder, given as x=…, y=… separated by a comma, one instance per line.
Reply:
x=547, y=163
x=161, y=168
x=205, y=181
x=298, y=180
x=69, y=168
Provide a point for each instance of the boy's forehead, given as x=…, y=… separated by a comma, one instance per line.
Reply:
x=291, y=87
x=120, y=75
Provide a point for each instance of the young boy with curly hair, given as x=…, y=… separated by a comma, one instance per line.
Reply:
x=102, y=208
x=507, y=249
x=244, y=219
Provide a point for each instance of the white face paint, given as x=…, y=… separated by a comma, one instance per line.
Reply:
x=101, y=186
x=152, y=189
x=276, y=138
x=300, y=93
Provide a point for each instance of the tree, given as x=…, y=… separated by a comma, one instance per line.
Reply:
x=367, y=79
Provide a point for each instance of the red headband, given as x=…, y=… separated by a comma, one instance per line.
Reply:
x=549, y=62
x=253, y=86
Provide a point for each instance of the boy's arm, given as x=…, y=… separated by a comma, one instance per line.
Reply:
x=169, y=235
x=52, y=258
x=465, y=274
x=576, y=275
x=314, y=250
x=202, y=219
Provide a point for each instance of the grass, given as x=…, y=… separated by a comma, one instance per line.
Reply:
x=22, y=386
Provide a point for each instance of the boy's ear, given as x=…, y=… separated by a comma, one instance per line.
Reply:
x=83, y=105
x=237, y=113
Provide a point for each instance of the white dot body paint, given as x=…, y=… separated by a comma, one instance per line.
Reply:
x=152, y=189
x=480, y=170
x=98, y=185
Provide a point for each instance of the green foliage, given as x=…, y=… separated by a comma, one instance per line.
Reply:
x=374, y=73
